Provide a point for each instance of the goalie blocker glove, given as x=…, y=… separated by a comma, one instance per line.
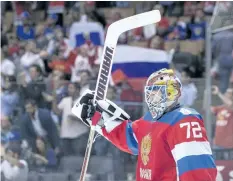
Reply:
x=111, y=114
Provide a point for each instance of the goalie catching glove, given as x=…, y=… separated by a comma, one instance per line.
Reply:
x=111, y=114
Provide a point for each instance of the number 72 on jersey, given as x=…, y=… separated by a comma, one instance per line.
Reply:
x=193, y=128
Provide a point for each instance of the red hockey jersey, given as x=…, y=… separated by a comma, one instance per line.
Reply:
x=172, y=148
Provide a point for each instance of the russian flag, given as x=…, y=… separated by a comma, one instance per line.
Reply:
x=135, y=64
x=138, y=62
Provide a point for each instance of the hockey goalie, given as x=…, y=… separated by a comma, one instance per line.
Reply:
x=170, y=140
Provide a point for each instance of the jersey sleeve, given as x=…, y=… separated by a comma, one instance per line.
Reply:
x=124, y=136
x=191, y=150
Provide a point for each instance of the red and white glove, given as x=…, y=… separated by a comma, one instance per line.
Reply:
x=111, y=114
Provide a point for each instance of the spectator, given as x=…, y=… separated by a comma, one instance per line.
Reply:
x=59, y=44
x=35, y=88
x=81, y=63
x=36, y=123
x=61, y=89
x=41, y=39
x=62, y=43
x=31, y=57
x=12, y=167
x=13, y=47
x=6, y=27
x=222, y=47
x=44, y=156
x=224, y=119
x=177, y=31
x=52, y=77
x=156, y=42
x=9, y=97
x=189, y=90
x=197, y=26
x=56, y=91
x=199, y=17
x=50, y=24
x=58, y=84
x=24, y=28
x=7, y=66
x=93, y=52
x=6, y=125
x=73, y=132
x=85, y=83
x=12, y=134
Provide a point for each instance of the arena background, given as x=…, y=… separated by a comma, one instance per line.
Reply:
x=50, y=51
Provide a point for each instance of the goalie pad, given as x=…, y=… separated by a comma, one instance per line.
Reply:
x=112, y=115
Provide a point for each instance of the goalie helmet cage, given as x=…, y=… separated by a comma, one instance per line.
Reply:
x=221, y=20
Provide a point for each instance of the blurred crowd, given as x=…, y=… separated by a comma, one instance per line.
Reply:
x=43, y=72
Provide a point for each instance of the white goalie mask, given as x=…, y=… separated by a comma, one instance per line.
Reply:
x=162, y=92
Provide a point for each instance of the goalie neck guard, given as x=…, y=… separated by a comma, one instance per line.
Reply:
x=162, y=91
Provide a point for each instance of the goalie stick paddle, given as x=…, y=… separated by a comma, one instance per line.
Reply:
x=113, y=33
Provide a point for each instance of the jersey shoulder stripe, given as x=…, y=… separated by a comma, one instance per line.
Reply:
x=195, y=162
x=131, y=140
x=185, y=149
x=179, y=114
x=174, y=116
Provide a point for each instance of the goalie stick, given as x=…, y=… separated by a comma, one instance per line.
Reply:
x=113, y=33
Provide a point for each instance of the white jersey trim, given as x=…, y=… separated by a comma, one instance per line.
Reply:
x=191, y=148
x=110, y=125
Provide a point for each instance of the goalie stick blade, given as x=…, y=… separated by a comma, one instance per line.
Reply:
x=132, y=22
x=113, y=33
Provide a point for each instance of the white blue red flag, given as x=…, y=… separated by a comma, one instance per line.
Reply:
x=80, y=30
x=137, y=62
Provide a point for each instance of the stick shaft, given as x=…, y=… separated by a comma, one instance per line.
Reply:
x=100, y=94
x=95, y=120
x=87, y=155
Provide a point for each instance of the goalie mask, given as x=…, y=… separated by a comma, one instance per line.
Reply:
x=162, y=92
